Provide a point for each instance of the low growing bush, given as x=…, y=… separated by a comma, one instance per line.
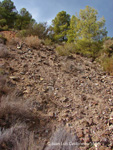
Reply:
x=48, y=42
x=108, y=47
x=66, y=49
x=12, y=111
x=88, y=48
x=22, y=33
x=32, y=41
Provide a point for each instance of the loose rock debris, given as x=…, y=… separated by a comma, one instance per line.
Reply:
x=73, y=91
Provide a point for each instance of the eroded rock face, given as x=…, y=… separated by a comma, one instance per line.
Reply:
x=70, y=90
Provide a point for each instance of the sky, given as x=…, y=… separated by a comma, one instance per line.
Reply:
x=46, y=10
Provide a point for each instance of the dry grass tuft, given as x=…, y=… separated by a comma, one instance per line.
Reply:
x=13, y=110
x=107, y=44
x=32, y=41
x=17, y=138
x=62, y=138
x=107, y=64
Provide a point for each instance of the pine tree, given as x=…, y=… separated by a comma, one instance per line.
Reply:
x=71, y=34
x=8, y=13
x=60, y=26
x=88, y=25
x=89, y=32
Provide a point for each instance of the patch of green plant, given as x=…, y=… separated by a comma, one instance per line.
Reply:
x=66, y=49
x=48, y=42
x=22, y=33
x=88, y=48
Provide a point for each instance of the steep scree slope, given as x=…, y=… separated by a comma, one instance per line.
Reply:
x=71, y=90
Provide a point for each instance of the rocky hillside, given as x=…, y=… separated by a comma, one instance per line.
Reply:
x=73, y=91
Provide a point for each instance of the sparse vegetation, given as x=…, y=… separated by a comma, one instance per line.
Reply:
x=48, y=42
x=32, y=41
x=39, y=89
x=66, y=49
x=108, y=47
x=105, y=56
x=18, y=137
x=13, y=111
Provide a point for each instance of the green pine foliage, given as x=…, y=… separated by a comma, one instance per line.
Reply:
x=87, y=31
x=10, y=18
x=7, y=13
x=66, y=49
x=24, y=18
x=72, y=33
x=60, y=26
x=88, y=25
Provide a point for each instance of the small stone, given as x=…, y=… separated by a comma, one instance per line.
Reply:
x=50, y=114
x=86, y=131
x=87, y=138
x=95, y=103
x=14, y=78
x=95, y=138
x=85, y=123
x=90, y=122
x=22, y=73
x=83, y=97
x=80, y=133
x=111, y=116
x=104, y=141
x=64, y=99
x=41, y=79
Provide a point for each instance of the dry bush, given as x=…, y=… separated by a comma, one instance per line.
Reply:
x=3, y=51
x=17, y=138
x=13, y=110
x=107, y=64
x=108, y=43
x=108, y=47
x=32, y=41
x=63, y=140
